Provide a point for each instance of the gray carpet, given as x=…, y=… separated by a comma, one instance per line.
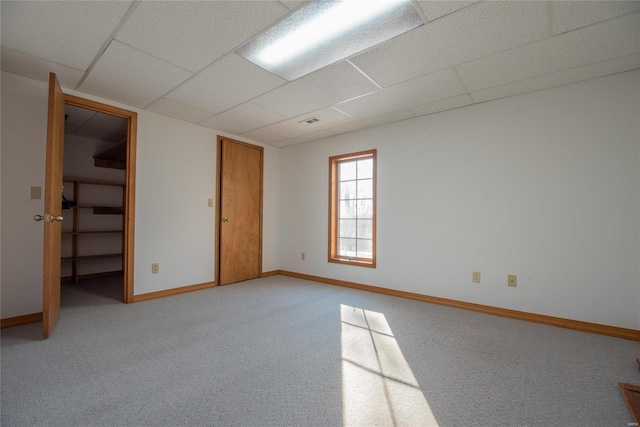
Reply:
x=285, y=352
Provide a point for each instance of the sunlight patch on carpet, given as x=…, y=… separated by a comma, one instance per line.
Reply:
x=378, y=385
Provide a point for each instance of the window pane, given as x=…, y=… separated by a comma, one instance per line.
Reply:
x=347, y=228
x=364, y=229
x=365, y=168
x=347, y=209
x=365, y=208
x=347, y=171
x=365, y=188
x=348, y=190
x=364, y=249
x=347, y=247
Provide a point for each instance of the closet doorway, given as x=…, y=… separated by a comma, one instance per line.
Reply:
x=99, y=184
x=93, y=199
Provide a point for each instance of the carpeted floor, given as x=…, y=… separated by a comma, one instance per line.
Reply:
x=285, y=352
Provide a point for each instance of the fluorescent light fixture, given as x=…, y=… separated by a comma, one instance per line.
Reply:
x=323, y=32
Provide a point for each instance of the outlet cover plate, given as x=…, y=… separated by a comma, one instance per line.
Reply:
x=35, y=193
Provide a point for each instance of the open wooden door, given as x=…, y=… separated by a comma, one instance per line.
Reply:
x=240, y=211
x=53, y=208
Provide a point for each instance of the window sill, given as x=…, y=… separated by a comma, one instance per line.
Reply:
x=356, y=262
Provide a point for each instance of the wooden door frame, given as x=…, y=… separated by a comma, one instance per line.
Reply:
x=218, y=203
x=130, y=182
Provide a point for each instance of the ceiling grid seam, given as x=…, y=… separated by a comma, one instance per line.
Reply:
x=107, y=42
x=549, y=19
x=462, y=83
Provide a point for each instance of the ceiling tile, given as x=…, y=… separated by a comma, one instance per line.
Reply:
x=107, y=123
x=292, y=4
x=180, y=111
x=443, y=105
x=230, y=81
x=70, y=129
x=76, y=116
x=304, y=138
x=101, y=126
x=263, y=136
x=243, y=118
x=373, y=121
x=560, y=78
x=473, y=32
x=434, y=87
x=569, y=15
x=38, y=69
x=437, y=9
x=132, y=77
x=327, y=118
x=325, y=87
x=194, y=34
x=100, y=135
x=600, y=42
x=65, y=32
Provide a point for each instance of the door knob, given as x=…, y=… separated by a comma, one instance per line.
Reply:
x=226, y=219
x=47, y=218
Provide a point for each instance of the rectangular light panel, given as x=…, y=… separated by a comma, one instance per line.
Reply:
x=323, y=32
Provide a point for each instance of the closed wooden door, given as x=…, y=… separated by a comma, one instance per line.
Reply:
x=240, y=211
x=53, y=208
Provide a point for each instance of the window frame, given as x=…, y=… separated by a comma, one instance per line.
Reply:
x=334, y=191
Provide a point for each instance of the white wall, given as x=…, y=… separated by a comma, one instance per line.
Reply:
x=23, y=139
x=175, y=176
x=545, y=186
x=270, y=207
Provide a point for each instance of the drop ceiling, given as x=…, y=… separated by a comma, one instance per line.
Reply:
x=179, y=59
x=91, y=124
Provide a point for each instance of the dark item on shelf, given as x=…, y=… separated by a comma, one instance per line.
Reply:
x=114, y=157
x=108, y=210
x=68, y=204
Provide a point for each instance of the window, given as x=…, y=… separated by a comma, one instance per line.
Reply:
x=352, y=208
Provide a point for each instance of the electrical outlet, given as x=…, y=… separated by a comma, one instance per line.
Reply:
x=155, y=268
x=512, y=280
x=302, y=256
x=475, y=277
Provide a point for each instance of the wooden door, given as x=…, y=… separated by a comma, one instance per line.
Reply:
x=53, y=207
x=240, y=207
